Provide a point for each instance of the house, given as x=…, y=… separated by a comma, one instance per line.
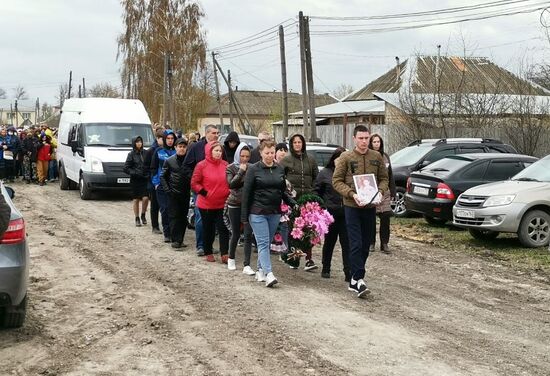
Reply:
x=20, y=115
x=262, y=108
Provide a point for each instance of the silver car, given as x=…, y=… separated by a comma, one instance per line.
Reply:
x=14, y=267
x=520, y=205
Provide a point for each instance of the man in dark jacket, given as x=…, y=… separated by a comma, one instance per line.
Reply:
x=154, y=211
x=194, y=155
x=230, y=146
x=176, y=184
x=139, y=175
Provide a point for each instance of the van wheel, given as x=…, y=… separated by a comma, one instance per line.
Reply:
x=534, y=229
x=63, y=181
x=14, y=316
x=398, y=205
x=483, y=234
x=85, y=192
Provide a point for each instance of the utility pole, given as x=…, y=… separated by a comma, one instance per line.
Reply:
x=83, y=87
x=70, y=84
x=218, y=99
x=37, y=110
x=283, y=78
x=16, y=115
x=303, y=73
x=80, y=91
x=310, y=89
x=230, y=101
x=165, y=91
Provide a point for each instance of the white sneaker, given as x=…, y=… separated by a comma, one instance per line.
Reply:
x=231, y=264
x=270, y=280
x=260, y=276
x=248, y=270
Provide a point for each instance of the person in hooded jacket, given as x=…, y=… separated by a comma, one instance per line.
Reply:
x=175, y=182
x=29, y=146
x=159, y=157
x=139, y=175
x=235, y=173
x=230, y=146
x=210, y=184
x=154, y=205
x=301, y=171
x=14, y=146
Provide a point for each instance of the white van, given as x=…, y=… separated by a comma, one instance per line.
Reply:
x=95, y=136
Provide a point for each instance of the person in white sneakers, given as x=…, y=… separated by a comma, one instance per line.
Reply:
x=264, y=188
x=235, y=178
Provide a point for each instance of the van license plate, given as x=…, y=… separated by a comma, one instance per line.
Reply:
x=123, y=180
x=465, y=213
x=421, y=190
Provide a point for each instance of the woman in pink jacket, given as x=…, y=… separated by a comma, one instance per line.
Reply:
x=210, y=184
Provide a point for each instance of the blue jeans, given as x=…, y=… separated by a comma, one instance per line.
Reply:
x=360, y=224
x=52, y=170
x=162, y=198
x=264, y=227
x=198, y=225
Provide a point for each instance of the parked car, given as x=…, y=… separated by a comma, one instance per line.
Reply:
x=420, y=153
x=14, y=267
x=520, y=205
x=321, y=152
x=432, y=191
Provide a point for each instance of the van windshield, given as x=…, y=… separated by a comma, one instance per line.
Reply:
x=116, y=134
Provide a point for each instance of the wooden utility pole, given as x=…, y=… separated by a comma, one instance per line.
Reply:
x=218, y=99
x=165, y=91
x=37, y=110
x=80, y=91
x=303, y=73
x=70, y=84
x=310, y=89
x=83, y=87
x=283, y=78
x=230, y=101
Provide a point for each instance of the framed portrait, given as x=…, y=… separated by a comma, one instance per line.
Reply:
x=366, y=187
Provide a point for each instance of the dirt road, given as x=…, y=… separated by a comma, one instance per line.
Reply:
x=109, y=298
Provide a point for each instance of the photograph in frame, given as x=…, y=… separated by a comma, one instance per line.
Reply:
x=366, y=187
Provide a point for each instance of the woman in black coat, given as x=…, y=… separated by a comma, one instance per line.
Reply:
x=135, y=167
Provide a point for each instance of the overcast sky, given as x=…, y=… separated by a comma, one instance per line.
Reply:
x=43, y=40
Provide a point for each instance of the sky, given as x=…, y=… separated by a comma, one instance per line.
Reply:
x=47, y=39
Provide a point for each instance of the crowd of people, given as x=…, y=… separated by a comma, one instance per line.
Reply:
x=28, y=154
x=239, y=195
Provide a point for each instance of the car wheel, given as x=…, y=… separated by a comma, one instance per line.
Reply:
x=63, y=181
x=14, y=316
x=398, y=204
x=534, y=229
x=435, y=221
x=85, y=192
x=483, y=234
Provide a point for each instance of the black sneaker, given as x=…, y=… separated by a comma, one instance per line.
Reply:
x=177, y=245
x=143, y=219
x=325, y=274
x=167, y=239
x=138, y=223
x=359, y=287
x=156, y=231
x=310, y=265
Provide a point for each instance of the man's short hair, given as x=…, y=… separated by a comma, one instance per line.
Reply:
x=209, y=127
x=360, y=128
x=159, y=133
x=264, y=136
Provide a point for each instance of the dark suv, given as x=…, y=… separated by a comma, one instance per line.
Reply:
x=420, y=153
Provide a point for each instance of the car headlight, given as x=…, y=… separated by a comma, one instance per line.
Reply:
x=96, y=164
x=499, y=200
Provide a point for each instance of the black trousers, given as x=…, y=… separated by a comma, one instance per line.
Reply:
x=337, y=230
x=212, y=220
x=154, y=207
x=384, y=228
x=178, y=206
x=360, y=223
x=235, y=219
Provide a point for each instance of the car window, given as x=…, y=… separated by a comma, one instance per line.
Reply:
x=475, y=172
x=502, y=170
x=538, y=171
x=471, y=149
x=439, y=154
x=410, y=155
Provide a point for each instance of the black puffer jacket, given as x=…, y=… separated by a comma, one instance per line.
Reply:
x=301, y=169
x=30, y=147
x=263, y=190
x=135, y=165
x=173, y=177
x=325, y=190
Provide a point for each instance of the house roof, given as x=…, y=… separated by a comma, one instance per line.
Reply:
x=265, y=103
x=353, y=108
x=455, y=74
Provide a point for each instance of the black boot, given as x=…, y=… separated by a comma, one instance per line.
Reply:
x=143, y=219
x=384, y=248
x=138, y=223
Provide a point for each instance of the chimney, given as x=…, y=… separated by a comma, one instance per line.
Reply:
x=397, y=70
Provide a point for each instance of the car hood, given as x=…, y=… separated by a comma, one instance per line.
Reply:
x=510, y=187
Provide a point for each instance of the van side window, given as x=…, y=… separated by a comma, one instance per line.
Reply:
x=72, y=133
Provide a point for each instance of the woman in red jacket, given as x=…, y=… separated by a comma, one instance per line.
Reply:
x=212, y=189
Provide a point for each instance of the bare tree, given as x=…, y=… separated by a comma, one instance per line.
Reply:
x=62, y=94
x=2, y=93
x=342, y=90
x=104, y=90
x=19, y=92
x=152, y=30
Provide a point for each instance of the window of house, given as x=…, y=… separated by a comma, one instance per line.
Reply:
x=26, y=115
